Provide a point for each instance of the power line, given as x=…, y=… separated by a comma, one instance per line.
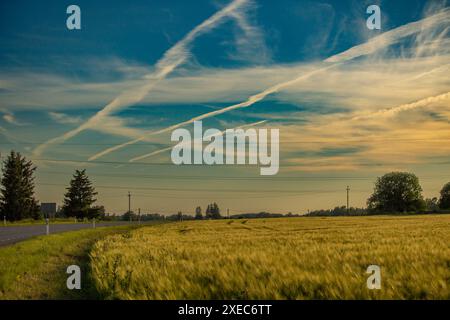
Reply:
x=239, y=178
x=291, y=141
x=348, y=191
x=375, y=164
x=202, y=190
x=238, y=196
x=129, y=204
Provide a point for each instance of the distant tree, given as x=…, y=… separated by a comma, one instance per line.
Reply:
x=397, y=192
x=214, y=211
x=97, y=212
x=444, y=201
x=129, y=216
x=338, y=211
x=80, y=196
x=180, y=216
x=208, y=214
x=217, y=211
x=432, y=204
x=17, y=189
x=198, y=213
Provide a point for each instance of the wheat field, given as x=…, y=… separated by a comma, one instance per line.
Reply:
x=283, y=258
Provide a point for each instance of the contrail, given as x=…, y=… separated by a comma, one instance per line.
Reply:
x=210, y=136
x=391, y=37
x=172, y=58
x=424, y=74
x=389, y=112
x=252, y=100
x=386, y=39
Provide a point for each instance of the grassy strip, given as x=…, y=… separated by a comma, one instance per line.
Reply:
x=30, y=222
x=36, y=268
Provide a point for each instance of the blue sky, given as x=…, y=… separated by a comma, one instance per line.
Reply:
x=144, y=30
x=363, y=102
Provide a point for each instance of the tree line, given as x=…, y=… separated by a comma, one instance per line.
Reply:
x=401, y=192
x=212, y=212
x=17, y=198
x=394, y=192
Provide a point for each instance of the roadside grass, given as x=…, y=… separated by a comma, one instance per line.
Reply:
x=27, y=222
x=280, y=258
x=36, y=268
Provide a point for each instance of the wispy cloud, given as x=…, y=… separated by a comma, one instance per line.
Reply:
x=64, y=118
x=390, y=112
x=175, y=56
x=393, y=36
x=371, y=46
x=249, y=40
x=207, y=137
x=382, y=139
x=10, y=118
x=6, y=134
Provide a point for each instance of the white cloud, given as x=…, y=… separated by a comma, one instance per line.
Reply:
x=172, y=58
x=64, y=118
x=153, y=153
x=10, y=118
x=371, y=46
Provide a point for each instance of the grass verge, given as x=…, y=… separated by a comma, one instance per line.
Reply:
x=31, y=222
x=36, y=268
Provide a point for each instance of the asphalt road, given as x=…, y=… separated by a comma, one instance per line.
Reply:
x=13, y=234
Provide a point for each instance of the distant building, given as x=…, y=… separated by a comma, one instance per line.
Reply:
x=48, y=209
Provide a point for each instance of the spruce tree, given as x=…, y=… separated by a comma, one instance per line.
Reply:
x=215, y=211
x=212, y=211
x=17, y=189
x=208, y=212
x=198, y=213
x=79, y=197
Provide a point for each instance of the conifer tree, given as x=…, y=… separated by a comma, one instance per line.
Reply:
x=198, y=213
x=79, y=197
x=17, y=189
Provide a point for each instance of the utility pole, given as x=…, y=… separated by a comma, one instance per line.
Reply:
x=228, y=213
x=129, y=204
x=348, y=195
x=139, y=216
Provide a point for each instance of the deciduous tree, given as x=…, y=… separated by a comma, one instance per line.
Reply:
x=397, y=192
x=444, y=200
